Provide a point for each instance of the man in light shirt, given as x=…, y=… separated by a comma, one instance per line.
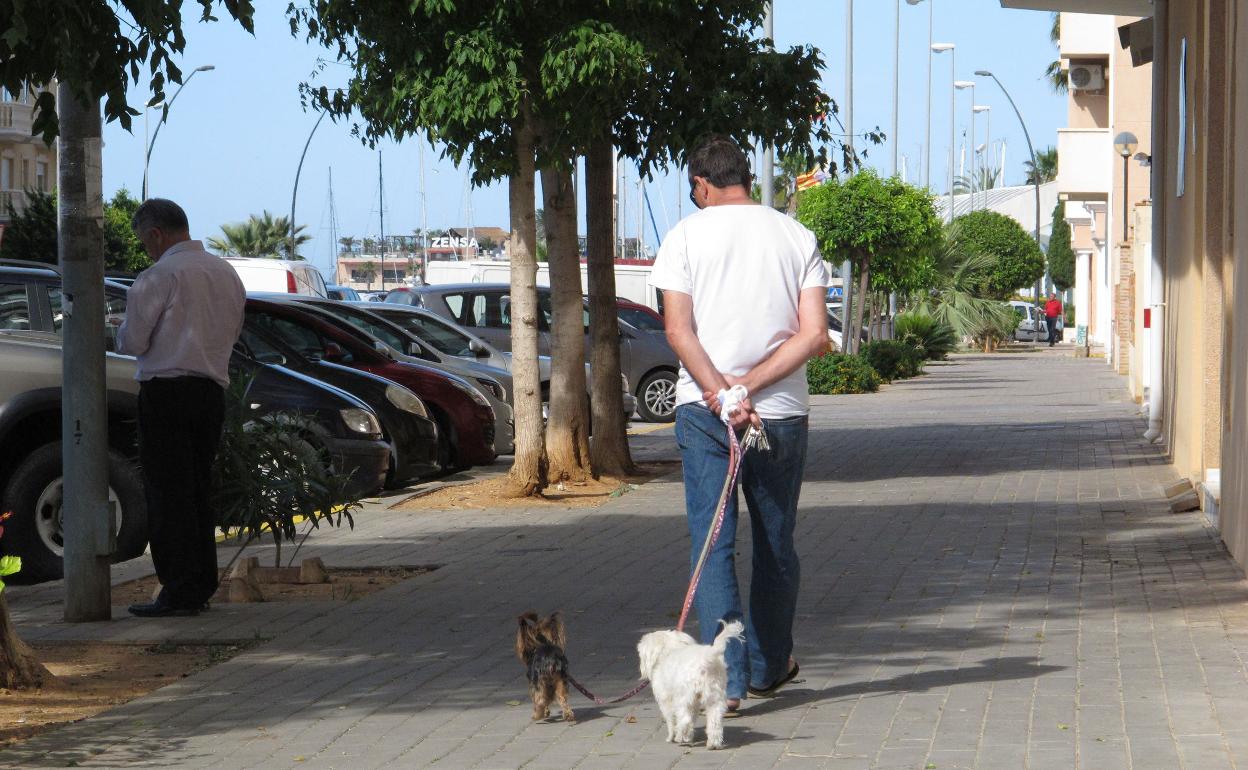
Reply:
x=183, y=316
x=743, y=290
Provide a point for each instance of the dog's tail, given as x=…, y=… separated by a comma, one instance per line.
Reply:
x=732, y=629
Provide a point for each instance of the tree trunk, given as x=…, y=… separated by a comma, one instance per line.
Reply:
x=528, y=469
x=84, y=412
x=609, y=444
x=567, y=428
x=864, y=275
x=19, y=669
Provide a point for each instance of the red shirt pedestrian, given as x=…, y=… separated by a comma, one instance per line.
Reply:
x=1053, y=308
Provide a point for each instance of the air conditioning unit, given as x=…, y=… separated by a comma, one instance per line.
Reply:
x=1087, y=77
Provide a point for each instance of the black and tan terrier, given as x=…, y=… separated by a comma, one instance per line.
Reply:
x=539, y=646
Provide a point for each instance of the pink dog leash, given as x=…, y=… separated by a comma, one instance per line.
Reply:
x=736, y=452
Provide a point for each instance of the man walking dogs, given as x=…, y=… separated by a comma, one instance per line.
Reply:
x=183, y=316
x=743, y=290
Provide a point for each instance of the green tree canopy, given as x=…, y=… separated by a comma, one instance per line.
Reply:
x=31, y=234
x=885, y=225
x=1061, y=255
x=1017, y=259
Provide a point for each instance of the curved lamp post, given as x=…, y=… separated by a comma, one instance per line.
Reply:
x=148, y=156
x=927, y=147
x=294, y=193
x=963, y=85
x=1036, y=179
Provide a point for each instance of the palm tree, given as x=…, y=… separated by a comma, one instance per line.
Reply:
x=985, y=179
x=369, y=269
x=1054, y=73
x=347, y=243
x=1045, y=167
x=953, y=299
x=260, y=236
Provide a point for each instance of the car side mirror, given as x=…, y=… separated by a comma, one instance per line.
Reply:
x=335, y=353
x=481, y=351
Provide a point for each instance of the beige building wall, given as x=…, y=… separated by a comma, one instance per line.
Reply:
x=26, y=163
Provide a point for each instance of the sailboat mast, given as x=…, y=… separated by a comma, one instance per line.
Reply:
x=381, y=209
x=333, y=228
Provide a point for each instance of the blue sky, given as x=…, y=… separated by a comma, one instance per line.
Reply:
x=233, y=138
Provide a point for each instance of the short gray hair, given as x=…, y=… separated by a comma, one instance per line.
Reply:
x=160, y=213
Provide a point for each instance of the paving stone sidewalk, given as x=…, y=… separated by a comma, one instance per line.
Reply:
x=991, y=579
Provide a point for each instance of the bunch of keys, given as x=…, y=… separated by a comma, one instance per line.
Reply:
x=729, y=399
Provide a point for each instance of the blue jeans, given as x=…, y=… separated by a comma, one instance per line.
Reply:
x=771, y=482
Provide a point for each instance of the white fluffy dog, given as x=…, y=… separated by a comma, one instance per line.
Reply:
x=686, y=676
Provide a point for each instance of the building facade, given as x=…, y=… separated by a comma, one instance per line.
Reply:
x=26, y=163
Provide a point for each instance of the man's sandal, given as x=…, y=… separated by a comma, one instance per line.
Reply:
x=774, y=687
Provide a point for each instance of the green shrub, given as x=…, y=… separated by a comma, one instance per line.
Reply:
x=894, y=359
x=836, y=373
x=932, y=338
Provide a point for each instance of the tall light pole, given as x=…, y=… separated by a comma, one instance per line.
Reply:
x=962, y=85
x=896, y=81
x=953, y=91
x=987, y=147
x=294, y=193
x=147, y=157
x=1035, y=179
x=849, y=72
x=767, y=180
x=1125, y=143
x=927, y=146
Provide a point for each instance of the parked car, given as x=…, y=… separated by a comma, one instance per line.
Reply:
x=464, y=417
x=639, y=316
x=1032, y=325
x=494, y=384
x=374, y=296
x=406, y=425
x=31, y=314
x=647, y=361
x=342, y=293
x=290, y=276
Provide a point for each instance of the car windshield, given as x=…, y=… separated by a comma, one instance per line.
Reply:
x=441, y=337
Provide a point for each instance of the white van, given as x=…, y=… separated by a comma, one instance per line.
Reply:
x=284, y=276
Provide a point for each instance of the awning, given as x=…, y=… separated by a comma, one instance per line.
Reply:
x=1116, y=7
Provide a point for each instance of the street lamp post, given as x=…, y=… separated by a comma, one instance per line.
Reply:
x=294, y=193
x=987, y=148
x=1125, y=143
x=1036, y=180
x=147, y=157
x=962, y=85
x=927, y=147
x=953, y=91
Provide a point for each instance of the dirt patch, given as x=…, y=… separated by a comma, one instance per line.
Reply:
x=95, y=676
x=345, y=584
x=489, y=493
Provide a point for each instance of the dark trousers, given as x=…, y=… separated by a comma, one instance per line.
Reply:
x=180, y=421
x=1051, y=322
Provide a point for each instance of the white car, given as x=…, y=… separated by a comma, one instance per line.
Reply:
x=283, y=276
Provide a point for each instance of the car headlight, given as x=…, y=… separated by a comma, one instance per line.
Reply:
x=360, y=421
x=494, y=387
x=406, y=400
x=473, y=393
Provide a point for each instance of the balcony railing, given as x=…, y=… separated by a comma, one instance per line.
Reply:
x=1085, y=158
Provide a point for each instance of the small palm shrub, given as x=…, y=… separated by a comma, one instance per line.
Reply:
x=838, y=373
x=894, y=359
x=932, y=338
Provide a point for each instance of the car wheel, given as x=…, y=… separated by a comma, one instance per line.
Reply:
x=656, y=397
x=35, y=495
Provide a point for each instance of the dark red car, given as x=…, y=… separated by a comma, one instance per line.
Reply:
x=465, y=419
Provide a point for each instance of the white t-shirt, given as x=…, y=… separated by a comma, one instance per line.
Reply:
x=744, y=266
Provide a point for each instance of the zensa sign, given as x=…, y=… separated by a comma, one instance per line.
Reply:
x=453, y=242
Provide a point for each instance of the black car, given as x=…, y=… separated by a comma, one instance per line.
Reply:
x=405, y=421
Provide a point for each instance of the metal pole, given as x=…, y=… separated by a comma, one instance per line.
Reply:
x=849, y=342
x=953, y=120
x=147, y=157
x=1032, y=152
x=896, y=81
x=973, y=180
x=294, y=193
x=1126, y=172
x=927, y=147
x=987, y=150
x=1157, y=266
x=849, y=73
x=381, y=210
x=767, y=180
x=87, y=516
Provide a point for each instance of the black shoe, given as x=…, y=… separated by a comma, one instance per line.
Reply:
x=161, y=609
